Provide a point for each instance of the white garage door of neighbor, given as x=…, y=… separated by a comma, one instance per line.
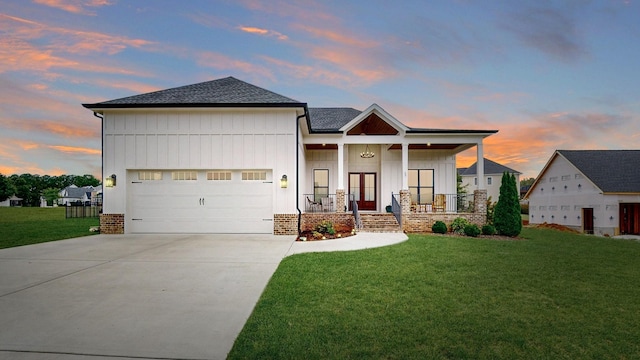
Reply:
x=171, y=204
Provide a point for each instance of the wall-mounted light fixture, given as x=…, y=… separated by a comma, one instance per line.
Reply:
x=283, y=181
x=110, y=181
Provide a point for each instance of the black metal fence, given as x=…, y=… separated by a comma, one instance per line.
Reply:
x=82, y=210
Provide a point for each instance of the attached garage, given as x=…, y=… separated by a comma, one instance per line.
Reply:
x=197, y=201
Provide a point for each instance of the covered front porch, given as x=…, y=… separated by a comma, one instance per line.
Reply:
x=373, y=162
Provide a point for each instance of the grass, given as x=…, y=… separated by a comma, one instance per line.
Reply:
x=553, y=295
x=27, y=225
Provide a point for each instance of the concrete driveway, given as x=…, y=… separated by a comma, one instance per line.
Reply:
x=133, y=296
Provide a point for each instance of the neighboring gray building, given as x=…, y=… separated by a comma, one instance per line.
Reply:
x=594, y=191
x=492, y=177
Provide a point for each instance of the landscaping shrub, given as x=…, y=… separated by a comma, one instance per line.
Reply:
x=325, y=227
x=488, y=230
x=439, y=227
x=506, y=218
x=458, y=225
x=472, y=230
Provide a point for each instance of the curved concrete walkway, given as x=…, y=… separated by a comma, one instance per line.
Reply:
x=362, y=240
x=141, y=296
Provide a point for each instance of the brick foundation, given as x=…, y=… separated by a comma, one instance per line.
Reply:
x=422, y=222
x=285, y=224
x=112, y=224
x=310, y=220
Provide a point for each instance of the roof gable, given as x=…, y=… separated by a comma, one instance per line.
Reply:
x=226, y=92
x=612, y=171
x=374, y=119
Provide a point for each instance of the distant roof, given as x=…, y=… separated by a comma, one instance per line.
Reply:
x=610, y=170
x=73, y=191
x=490, y=167
x=228, y=92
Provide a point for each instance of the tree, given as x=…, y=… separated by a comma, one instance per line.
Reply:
x=51, y=195
x=506, y=217
x=6, y=188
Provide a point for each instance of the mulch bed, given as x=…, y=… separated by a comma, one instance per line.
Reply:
x=341, y=232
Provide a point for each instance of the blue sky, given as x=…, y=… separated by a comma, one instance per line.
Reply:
x=547, y=74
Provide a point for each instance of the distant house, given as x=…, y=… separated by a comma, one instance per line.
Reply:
x=492, y=177
x=593, y=191
x=11, y=201
x=73, y=194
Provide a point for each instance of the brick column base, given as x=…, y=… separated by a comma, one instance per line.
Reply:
x=480, y=202
x=285, y=224
x=405, y=201
x=112, y=224
x=340, y=201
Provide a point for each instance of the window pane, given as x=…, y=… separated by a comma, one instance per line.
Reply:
x=426, y=177
x=321, y=177
x=426, y=195
x=413, y=177
x=414, y=195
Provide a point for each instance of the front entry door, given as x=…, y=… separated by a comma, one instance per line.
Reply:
x=362, y=186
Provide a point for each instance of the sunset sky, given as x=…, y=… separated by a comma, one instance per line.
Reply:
x=547, y=74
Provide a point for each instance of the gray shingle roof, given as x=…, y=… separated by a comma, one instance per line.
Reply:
x=490, y=167
x=227, y=91
x=609, y=170
x=331, y=119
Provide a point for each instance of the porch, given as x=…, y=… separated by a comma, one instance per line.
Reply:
x=406, y=214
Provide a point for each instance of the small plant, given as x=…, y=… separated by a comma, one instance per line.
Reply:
x=488, y=230
x=325, y=227
x=472, y=230
x=317, y=235
x=439, y=227
x=458, y=225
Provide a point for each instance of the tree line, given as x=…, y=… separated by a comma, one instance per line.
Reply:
x=30, y=187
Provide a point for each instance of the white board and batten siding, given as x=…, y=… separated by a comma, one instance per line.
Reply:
x=200, y=140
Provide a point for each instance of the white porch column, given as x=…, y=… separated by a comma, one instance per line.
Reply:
x=480, y=166
x=340, y=166
x=405, y=167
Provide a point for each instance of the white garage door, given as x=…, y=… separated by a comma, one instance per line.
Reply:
x=185, y=201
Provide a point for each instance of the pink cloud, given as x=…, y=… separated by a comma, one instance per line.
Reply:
x=74, y=6
x=263, y=32
x=19, y=52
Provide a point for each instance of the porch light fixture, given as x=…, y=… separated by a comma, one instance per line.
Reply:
x=283, y=182
x=367, y=154
x=110, y=181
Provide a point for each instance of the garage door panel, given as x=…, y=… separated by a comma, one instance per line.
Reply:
x=201, y=206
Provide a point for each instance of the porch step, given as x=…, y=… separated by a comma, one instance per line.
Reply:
x=384, y=222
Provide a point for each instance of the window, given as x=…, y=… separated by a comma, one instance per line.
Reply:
x=421, y=186
x=553, y=179
x=565, y=207
x=184, y=175
x=489, y=180
x=320, y=184
x=254, y=175
x=542, y=208
x=149, y=175
x=218, y=175
x=578, y=176
x=566, y=177
x=475, y=181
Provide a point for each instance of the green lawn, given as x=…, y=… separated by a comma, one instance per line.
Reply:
x=28, y=225
x=551, y=296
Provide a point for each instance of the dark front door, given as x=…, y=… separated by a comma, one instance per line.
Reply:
x=362, y=186
x=630, y=218
x=587, y=220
